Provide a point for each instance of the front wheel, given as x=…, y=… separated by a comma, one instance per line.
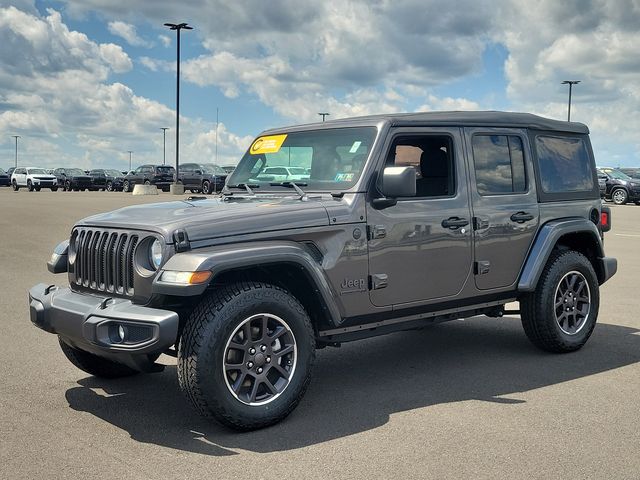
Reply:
x=562, y=312
x=619, y=196
x=94, y=365
x=246, y=354
x=29, y=185
x=125, y=186
x=206, y=187
x=15, y=186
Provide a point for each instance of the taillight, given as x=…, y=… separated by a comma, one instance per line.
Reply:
x=605, y=219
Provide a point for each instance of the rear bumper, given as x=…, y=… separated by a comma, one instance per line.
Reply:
x=92, y=323
x=609, y=266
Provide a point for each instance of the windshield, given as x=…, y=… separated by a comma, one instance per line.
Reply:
x=36, y=170
x=74, y=171
x=617, y=174
x=113, y=173
x=2, y=172
x=328, y=159
x=214, y=169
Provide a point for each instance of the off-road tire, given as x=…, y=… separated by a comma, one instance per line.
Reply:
x=202, y=348
x=94, y=365
x=619, y=196
x=537, y=309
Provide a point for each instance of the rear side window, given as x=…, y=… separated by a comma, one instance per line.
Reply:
x=499, y=164
x=564, y=164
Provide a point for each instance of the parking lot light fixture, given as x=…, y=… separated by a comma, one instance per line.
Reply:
x=323, y=115
x=177, y=27
x=16, y=137
x=164, y=144
x=571, y=83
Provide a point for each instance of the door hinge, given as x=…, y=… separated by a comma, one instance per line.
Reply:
x=376, y=231
x=378, y=281
x=480, y=223
x=482, y=267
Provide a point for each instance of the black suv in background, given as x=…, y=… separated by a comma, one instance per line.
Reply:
x=619, y=187
x=72, y=179
x=5, y=178
x=202, y=177
x=159, y=175
x=105, y=179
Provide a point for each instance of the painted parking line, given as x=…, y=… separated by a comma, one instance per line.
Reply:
x=628, y=234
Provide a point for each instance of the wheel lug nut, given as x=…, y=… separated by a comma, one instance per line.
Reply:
x=259, y=370
x=252, y=351
x=250, y=365
x=268, y=359
x=263, y=348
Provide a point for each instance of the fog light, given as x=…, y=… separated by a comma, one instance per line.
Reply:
x=121, y=333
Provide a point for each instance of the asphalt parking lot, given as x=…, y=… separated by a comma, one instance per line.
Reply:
x=464, y=399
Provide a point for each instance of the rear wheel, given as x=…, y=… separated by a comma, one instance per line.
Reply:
x=109, y=187
x=562, y=312
x=619, y=196
x=94, y=365
x=147, y=182
x=206, y=187
x=14, y=185
x=125, y=186
x=29, y=185
x=246, y=354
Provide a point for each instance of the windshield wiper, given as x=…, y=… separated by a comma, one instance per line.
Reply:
x=294, y=185
x=245, y=186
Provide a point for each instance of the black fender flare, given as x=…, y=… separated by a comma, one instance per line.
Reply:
x=546, y=240
x=224, y=258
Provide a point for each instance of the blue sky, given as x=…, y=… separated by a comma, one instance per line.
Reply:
x=83, y=82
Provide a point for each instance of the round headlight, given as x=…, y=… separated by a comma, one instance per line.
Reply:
x=155, y=254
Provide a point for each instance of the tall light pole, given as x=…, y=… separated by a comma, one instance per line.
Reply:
x=164, y=144
x=129, y=152
x=217, y=135
x=571, y=83
x=177, y=27
x=324, y=114
x=16, y=137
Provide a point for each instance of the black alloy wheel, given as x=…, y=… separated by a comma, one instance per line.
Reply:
x=109, y=187
x=572, y=302
x=619, y=196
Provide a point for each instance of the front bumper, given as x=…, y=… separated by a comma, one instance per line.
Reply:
x=92, y=323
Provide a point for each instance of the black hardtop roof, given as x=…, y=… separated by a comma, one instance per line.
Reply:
x=470, y=119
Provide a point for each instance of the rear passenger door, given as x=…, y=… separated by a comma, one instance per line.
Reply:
x=504, y=204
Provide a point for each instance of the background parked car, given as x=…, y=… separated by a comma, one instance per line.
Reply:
x=632, y=172
x=107, y=179
x=10, y=172
x=33, y=178
x=202, y=177
x=284, y=174
x=5, y=179
x=158, y=175
x=229, y=169
x=72, y=179
x=619, y=187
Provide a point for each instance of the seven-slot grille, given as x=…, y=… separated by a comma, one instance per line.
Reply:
x=105, y=260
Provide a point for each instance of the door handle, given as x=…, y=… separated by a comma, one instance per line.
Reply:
x=521, y=217
x=455, y=222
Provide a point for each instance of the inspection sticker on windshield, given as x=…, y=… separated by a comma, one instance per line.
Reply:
x=344, y=177
x=268, y=144
x=354, y=148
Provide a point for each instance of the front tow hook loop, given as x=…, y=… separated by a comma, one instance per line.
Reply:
x=105, y=302
x=49, y=289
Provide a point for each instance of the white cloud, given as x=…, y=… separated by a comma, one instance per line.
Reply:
x=165, y=40
x=128, y=32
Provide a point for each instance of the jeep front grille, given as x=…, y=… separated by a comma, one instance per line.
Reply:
x=104, y=260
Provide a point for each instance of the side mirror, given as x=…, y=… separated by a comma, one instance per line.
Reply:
x=396, y=182
x=399, y=182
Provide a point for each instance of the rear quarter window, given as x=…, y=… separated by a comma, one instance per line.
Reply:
x=564, y=164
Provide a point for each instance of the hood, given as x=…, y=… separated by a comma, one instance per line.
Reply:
x=216, y=217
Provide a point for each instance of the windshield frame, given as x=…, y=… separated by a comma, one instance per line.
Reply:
x=359, y=183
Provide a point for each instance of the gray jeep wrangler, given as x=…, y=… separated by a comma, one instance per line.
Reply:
x=387, y=223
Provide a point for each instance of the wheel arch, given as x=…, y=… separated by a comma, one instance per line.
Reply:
x=290, y=265
x=578, y=234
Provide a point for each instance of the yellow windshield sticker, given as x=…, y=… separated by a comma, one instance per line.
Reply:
x=268, y=144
